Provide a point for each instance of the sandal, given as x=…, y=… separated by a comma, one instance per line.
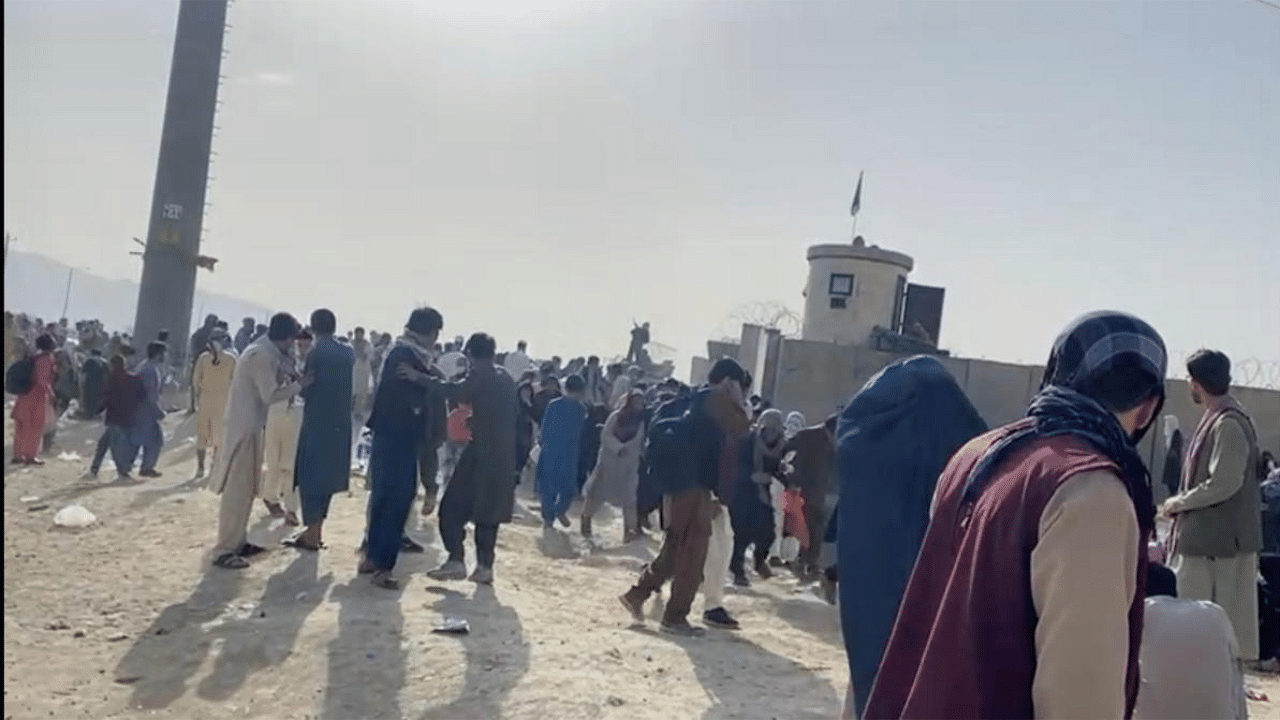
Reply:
x=291, y=519
x=298, y=544
x=384, y=579
x=231, y=561
x=249, y=550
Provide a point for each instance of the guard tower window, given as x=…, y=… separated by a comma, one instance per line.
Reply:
x=839, y=303
x=840, y=285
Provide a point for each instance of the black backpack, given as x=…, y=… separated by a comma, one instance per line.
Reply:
x=670, y=454
x=20, y=376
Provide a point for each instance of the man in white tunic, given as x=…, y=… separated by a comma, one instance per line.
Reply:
x=361, y=376
x=1217, y=520
x=284, y=425
x=210, y=385
x=518, y=362
x=264, y=375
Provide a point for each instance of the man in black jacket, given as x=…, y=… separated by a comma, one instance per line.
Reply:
x=398, y=422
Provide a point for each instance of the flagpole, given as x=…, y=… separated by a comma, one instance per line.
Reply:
x=857, y=205
x=66, y=299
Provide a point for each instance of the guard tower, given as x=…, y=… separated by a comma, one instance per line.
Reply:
x=852, y=289
x=168, y=285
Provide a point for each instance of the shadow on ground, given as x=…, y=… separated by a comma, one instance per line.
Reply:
x=246, y=638
x=367, y=659
x=147, y=498
x=744, y=680
x=489, y=677
x=170, y=652
x=266, y=636
x=812, y=615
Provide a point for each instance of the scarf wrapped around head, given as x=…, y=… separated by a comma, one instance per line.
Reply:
x=769, y=420
x=423, y=353
x=1089, y=349
x=795, y=423
x=627, y=426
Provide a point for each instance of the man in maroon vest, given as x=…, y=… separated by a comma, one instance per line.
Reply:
x=1026, y=600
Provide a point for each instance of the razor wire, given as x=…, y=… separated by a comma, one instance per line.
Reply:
x=1245, y=372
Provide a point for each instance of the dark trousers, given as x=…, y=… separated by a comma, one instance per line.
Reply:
x=115, y=439
x=315, y=505
x=817, y=515
x=429, y=466
x=524, y=446
x=760, y=537
x=455, y=512
x=751, y=516
x=1269, y=606
x=683, y=553
x=393, y=481
x=147, y=435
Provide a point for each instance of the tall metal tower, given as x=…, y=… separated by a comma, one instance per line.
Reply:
x=168, y=285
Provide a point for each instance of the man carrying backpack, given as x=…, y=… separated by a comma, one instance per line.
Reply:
x=689, y=453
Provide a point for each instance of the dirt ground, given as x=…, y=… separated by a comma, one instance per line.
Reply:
x=126, y=619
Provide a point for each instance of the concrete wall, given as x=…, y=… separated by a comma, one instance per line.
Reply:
x=751, y=355
x=720, y=349
x=698, y=372
x=817, y=378
x=875, y=272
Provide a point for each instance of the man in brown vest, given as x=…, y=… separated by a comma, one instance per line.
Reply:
x=1026, y=600
x=1217, y=527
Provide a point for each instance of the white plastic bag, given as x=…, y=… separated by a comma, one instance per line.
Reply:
x=74, y=516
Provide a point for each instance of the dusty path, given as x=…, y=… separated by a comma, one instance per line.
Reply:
x=126, y=619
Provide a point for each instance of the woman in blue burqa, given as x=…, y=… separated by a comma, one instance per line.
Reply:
x=893, y=440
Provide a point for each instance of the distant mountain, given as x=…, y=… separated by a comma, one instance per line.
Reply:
x=37, y=285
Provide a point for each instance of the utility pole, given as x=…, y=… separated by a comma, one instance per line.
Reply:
x=170, y=258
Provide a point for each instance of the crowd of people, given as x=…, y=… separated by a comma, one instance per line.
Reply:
x=978, y=573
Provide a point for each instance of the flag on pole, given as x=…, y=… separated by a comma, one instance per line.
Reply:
x=857, y=198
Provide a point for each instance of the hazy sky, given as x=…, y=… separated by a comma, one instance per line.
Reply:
x=553, y=173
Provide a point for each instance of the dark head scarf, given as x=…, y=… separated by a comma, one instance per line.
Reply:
x=1087, y=351
x=893, y=440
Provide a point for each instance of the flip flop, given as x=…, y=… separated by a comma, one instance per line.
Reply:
x=297, y=544
x=384, y=579
x=249, y=550
x=231, y=561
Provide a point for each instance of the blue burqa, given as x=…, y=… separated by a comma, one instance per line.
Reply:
x=323, y=463
x=893, y=440
x=560, y=444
